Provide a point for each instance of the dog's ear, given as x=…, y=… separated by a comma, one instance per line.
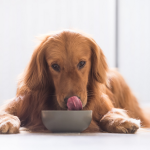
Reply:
x=36, y=75
x=98, y=63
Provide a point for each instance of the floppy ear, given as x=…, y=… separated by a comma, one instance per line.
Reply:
x=98, y=65
x=35, y=75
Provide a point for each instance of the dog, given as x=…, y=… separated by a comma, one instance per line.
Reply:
x=68, y=70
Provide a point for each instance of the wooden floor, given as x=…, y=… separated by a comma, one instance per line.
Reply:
x=76, y=141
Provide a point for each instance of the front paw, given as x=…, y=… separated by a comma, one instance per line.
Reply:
x=122, y=125
x=9, y=124
x=127, y=125
x=117, y=121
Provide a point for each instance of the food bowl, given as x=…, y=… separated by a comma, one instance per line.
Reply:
x=66, y=121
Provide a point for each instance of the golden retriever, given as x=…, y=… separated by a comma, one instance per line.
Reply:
x=70, y=66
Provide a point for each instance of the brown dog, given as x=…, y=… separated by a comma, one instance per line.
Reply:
x=65, y=65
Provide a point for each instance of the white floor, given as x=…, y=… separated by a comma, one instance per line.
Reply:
x=76, y=141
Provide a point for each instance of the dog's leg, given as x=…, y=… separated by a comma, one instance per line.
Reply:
x=117, y=121
x=9, y=122
x=122, y=97
x=93, y=127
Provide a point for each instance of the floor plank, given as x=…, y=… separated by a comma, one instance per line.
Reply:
x=76, y=141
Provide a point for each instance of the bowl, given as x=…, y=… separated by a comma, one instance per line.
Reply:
x=66, y=121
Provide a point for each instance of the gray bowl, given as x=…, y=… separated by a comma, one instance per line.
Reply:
x=66, y=121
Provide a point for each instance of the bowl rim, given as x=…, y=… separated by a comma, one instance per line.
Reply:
x=66, y=110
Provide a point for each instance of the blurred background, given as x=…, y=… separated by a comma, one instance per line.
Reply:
x=120, y=27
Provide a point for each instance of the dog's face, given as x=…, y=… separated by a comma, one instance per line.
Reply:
x=69, y=60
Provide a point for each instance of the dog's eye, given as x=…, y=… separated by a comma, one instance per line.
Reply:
x=81, y=64
x=56, y=67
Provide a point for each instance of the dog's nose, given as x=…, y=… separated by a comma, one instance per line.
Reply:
x=66, y=99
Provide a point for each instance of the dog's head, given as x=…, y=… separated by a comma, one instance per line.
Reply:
x=66, y=61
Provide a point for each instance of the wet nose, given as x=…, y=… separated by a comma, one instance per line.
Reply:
x=66, y=99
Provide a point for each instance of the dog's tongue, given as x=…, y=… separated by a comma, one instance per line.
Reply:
x=74, y=103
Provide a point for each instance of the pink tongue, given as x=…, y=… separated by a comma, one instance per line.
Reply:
x=74, y=103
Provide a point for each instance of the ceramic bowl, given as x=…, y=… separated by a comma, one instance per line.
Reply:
x=66, y=121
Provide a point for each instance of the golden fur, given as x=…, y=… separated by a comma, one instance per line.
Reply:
x=40, y=87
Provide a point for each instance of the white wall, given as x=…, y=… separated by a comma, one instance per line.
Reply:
x=22, y=20
x=134, y=45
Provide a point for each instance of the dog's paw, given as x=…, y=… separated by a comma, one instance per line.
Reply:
x=9, y=124
x=125, y=125
x=117, y=121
